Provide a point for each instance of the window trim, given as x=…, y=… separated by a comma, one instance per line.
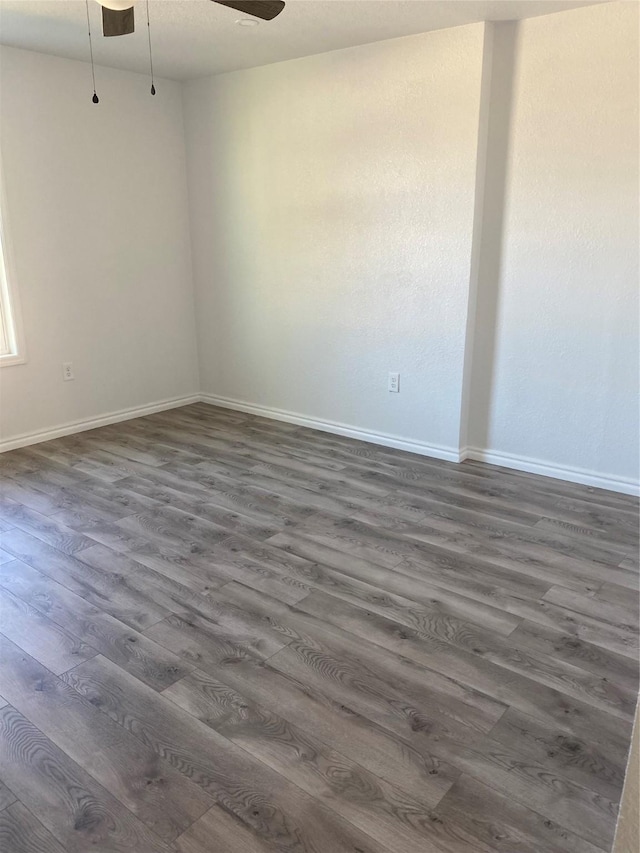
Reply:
x=8, y=291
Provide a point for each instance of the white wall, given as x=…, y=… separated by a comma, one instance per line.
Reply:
x=98, y=217
x=628, y=828
x=338, y=234
x=332, y=211
x=459, y=206
x=559, y=381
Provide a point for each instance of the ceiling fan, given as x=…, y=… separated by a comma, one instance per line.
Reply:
x=118, y=20
x=118, y=15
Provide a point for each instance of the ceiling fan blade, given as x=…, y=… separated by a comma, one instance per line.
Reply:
x=117, y=23
x=265, y=9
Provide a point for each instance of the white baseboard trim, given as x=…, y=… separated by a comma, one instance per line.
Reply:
x=72, y=427
x=548, y=469
x=450, y=454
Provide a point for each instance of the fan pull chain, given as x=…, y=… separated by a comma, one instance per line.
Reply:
x=95, y=99
x=153, y=88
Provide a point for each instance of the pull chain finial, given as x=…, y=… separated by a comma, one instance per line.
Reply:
x=95, y=99
x=153, y=88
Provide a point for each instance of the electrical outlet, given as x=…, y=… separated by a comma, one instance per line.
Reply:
x=67, y=371
x=394, y=383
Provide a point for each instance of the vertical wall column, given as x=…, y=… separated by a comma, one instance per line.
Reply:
x=494, y=133
x=551, y=358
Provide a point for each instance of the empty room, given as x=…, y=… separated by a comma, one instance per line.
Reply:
x=319, y=426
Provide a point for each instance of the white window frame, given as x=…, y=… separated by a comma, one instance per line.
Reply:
x=10, y=315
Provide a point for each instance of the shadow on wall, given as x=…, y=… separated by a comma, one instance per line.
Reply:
x=489, y=234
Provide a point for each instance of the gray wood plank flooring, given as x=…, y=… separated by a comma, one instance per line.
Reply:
x=224, y=634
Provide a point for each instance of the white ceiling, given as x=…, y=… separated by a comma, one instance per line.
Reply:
x=194, y=38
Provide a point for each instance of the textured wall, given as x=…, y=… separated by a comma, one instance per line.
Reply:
x=559, y=382
x=97, y=210
x=335, y=238
x=628, y=829
x=331, y=210
x=340, y=211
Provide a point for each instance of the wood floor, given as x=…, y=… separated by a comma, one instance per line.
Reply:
x=223, y=634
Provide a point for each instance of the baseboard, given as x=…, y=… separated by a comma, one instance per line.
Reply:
x=450, y=454
x=547, y=469
x=72, y=427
